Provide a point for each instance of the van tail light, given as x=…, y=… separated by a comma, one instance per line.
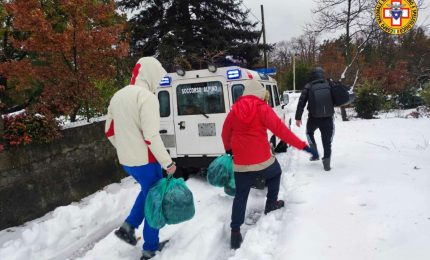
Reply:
x=250, y=75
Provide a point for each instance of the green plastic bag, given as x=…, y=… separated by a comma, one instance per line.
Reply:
x=178, y=202
x=169, y=201
x=220, y=171
x=154, y=204
x=230, y=187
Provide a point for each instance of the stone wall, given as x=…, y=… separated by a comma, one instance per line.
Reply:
x=36, y=179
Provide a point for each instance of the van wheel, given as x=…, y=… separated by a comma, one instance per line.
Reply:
x=182, y=172
x=273, y=143
x=281, y=147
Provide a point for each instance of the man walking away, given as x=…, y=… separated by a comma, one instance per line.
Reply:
x=132, y=126
x=317, y=95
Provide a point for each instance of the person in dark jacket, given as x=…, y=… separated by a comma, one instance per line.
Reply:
x=244, y=136
x=324, y=124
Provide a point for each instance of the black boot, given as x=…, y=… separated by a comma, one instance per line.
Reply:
x=274, y=206
x=126, y=234
x=236, y=239
x=147, y=254
x=326, y=164
x=312, y=157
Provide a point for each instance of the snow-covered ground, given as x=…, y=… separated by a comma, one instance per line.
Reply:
x=81, y=121
x=374, y=204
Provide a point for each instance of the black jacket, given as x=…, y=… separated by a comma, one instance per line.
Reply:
x=317, y=74
x=304, y=96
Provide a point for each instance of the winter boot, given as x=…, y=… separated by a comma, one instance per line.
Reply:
x=326, y=164
x=126, y=234
x=148, y=254
x=274, y=206
x=236, y=239
x=312, y=157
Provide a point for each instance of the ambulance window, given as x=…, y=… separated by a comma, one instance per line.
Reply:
x=164, y=99
x=199, y=98
x=268, y=88
x=275, y=91
x=237, y=91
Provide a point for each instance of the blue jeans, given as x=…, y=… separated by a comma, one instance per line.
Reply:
x=146, y=175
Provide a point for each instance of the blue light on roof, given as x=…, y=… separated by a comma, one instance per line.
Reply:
x=268, y=71
x=166, y=81
x=263, y=76
x=234, y=74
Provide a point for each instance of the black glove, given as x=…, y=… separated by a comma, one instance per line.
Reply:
x=312, y=151
x=230, y=152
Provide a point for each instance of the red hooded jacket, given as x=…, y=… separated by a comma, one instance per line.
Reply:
x=245, y=131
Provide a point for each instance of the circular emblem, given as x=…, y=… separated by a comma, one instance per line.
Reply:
x=396, y=16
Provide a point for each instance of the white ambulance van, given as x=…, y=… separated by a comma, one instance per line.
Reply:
x=193, y=107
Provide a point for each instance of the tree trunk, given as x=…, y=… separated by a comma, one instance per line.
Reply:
x=343, y=113
x=1, y=127
x=1, y=132
x=347, y=52
x=87, y=112
x=74, y=113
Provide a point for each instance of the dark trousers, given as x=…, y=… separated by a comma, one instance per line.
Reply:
x=326, y=127
x=244, y=182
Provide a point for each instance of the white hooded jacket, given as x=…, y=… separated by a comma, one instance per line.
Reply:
x=133, y=120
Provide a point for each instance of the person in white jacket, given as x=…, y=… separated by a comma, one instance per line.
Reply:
x=132, y=126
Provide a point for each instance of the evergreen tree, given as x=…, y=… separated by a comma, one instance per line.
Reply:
x=192, y=31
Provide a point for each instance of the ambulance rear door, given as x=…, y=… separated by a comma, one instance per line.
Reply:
x=200, y=111
x=277, y=105
x=167, y=128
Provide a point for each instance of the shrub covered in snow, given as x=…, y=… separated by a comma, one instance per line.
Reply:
x=409, y=98
x=425, y=94
x=369, y=100
x=26, y=128
x=2, y=88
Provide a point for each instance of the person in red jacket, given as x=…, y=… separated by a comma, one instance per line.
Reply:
x=244, y=136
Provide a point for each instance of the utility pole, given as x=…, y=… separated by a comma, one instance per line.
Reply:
x=294, y=71
x=266, y=63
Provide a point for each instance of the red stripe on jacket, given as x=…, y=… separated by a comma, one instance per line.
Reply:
x=135, y=73
x=111, y=130
x=151, y=157
x=245, y=131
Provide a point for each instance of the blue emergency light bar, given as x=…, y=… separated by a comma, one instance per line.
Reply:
x=263, y=76
x=166, y=81
x=268, y=71
x=234, y=74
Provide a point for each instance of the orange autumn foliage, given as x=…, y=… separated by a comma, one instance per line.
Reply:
x=392, y=79
x=332, y=60
x=70, y=44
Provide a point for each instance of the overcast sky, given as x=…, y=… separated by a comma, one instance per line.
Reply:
x=286, y=18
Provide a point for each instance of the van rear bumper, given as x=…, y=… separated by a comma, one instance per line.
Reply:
x=194, y=162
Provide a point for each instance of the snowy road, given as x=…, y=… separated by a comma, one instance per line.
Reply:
x=374, y=204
